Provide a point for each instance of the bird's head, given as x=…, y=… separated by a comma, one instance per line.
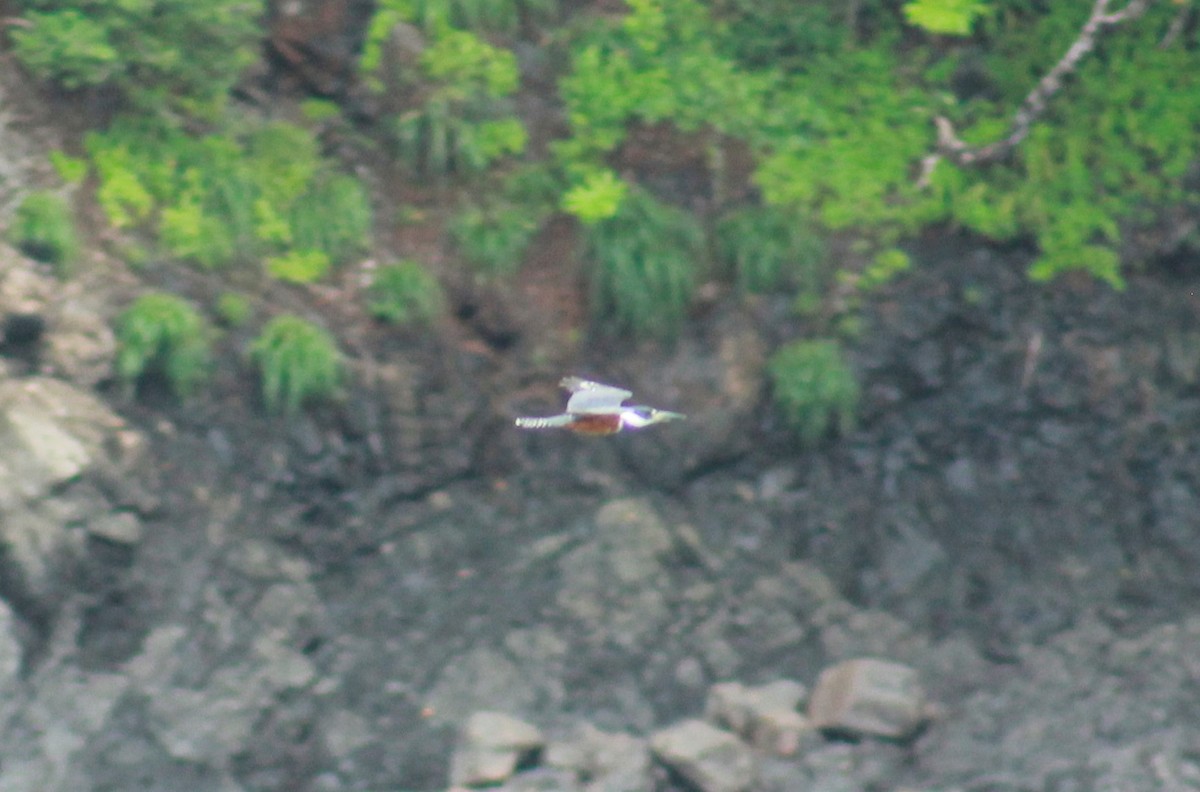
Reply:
x=641, y=417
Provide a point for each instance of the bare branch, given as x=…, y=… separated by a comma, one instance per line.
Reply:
x=949, y=145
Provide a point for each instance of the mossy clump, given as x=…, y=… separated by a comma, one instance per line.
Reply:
x=162, y=333
x=493, y=237
x=404, y=293
x=814, y=388
x=298, y=361
x=44, y=229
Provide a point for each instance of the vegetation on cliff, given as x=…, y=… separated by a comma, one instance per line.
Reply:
x=697, y=140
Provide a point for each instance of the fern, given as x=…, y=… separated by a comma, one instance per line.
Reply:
x=643, y=264
x=163, y=333
x=814, y=388
x=298, y=362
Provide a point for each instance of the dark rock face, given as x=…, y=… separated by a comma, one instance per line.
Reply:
x=233, y=603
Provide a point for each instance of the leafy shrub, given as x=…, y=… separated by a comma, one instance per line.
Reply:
x=643, y=264
x=499, y=16
x=597, y=196
x=70, y=169
x=463, y=122
x=814, y=388
x=234, y=309
x=886, y=265
x=819, y=154
x=175, y=54
x=493, y=237
x=1110, y=153
x=405, y=292
x=163, y=333
x=769, y=248
x=44, y=229
x=299, y=266
x=661, y=62
x=333, y=215
x=220, y=199
x=953, y=17
x=299, y=363
x=782, y=32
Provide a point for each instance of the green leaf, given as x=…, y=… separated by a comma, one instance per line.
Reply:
x=949, y=17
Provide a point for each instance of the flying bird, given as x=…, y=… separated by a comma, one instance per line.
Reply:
x=596, y=409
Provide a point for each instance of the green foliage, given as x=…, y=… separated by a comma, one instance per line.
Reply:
x=70, y=169
x=953, y=17
x=841, y=141
x=172, y=54
x=333, y=216
x=222, y=199
x=497, y=16
x=44, y=229
x=463, y=122
x=299, y=266
x=769, y=248
x=494, y=236
x=234, y=309
x=405, y=292
x=886, y=265
x=768, y=33
x=318, y=110
x=1111, y=153
x=643, y=266
x=164, y=334
x=662, y=62
x=597, y=196
x=299, y=363
x=814, y=388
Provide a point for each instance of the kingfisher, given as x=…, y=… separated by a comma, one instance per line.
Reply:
x=596, y=409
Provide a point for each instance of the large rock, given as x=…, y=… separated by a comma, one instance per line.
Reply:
x=611, y=584
x=868, y=697
x=712, y=759
x=491, y=746
x=51, y=434
x=10, y=652
x=765, y=716
x=605, y=761
x=204, y=693
x=78, y=342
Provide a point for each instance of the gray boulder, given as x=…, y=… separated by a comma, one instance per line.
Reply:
x=868, y=697
x=490, y=747
x=712, y=759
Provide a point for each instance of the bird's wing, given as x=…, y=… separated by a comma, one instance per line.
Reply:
x=588, y=396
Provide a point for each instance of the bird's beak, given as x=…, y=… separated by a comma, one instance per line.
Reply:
x=666, y=415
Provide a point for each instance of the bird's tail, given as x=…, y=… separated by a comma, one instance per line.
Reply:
x=549, y=422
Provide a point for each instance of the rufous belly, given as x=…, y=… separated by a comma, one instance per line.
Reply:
x=596, y=424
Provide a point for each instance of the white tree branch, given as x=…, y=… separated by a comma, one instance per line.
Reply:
x=950, y=146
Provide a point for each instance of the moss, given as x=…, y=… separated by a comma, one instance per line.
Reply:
x=44, y=229
x=404, y=293
x=814, y=388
